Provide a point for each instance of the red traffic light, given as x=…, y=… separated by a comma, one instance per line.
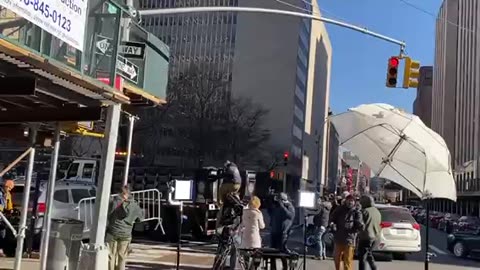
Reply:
x=393, y=62
x=272, y=174
x=285, y=155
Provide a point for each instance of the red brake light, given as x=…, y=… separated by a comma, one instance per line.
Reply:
x=41, y=208
x=386, y=224
x=416, y=226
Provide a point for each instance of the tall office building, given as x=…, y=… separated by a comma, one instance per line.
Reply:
x=422, y=106
x=280, y=62
x=456, y=97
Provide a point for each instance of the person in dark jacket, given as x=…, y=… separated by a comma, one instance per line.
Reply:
x=372, y=219
x=321, y=224
x=348, y=222
x=232, y=182
x=281, y=221
x=123, y=213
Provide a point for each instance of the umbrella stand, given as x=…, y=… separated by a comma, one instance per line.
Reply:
x=427, y=233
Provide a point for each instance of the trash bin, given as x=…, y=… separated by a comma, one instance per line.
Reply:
x=64, y=244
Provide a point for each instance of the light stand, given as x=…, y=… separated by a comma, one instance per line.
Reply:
x=182, y=191
x=306, y=200
x=427, y=234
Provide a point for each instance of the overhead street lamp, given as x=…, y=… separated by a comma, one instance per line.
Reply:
x=169, y=11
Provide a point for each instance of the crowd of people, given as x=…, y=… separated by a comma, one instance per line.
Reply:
x=355, y=223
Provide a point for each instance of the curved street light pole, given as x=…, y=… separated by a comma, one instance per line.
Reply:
x=168, y=11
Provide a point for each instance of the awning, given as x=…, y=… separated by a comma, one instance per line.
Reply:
x=140, y=97
x=17, y=60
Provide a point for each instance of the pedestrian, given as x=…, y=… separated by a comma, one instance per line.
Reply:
x=6, y=201
x=252, y=223
x=6, y=207
x=320, y=221
x=281, y=220
x=232, y=182
x=123, y=214
x=348, y=222
x=368, y=236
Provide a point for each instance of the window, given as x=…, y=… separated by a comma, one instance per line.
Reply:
x=79, y=194
x=396, y=215
x=298, y=113
x=87, y=170
x=297, y=132
x=61, y=196
x=72, y=171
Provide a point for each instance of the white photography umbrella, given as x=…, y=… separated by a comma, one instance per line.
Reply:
x=399, y=147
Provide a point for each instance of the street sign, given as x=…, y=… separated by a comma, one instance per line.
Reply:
x=132, y=49
x=103, y=45
x=127, y=69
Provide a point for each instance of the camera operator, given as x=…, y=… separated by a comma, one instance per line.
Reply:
x=232, y=181
x=281, y=220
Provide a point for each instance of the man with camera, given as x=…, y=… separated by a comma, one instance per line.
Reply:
x=231, y=183
x=281, y=220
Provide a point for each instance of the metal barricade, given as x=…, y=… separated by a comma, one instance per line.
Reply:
x=149, y=201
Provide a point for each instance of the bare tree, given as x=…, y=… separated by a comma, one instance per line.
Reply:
x=204, y=119
x=245, y=129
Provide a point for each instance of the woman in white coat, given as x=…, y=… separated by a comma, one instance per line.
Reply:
x=252, y=223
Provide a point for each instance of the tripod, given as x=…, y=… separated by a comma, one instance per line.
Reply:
x=305, y=218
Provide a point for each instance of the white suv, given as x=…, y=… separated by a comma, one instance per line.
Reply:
x=65, y=201
x=400, y=233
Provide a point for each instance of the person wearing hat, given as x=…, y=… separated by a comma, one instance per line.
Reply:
x=348, y=222
x=281, y=215
x=281, y=221
x=231, y=183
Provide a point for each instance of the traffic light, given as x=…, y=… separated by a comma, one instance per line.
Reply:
x=285, y=158
x=392, y=71
x=411, y=73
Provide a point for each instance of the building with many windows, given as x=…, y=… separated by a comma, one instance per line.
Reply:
x=456, y=98
x=280, y=62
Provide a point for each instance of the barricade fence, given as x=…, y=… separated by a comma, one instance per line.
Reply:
x=149, y=201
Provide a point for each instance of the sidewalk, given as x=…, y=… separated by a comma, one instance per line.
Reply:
x=139, y=259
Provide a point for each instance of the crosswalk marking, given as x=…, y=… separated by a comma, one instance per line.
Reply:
x=437, y=250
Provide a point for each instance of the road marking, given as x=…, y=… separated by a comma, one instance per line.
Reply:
x=437, y=250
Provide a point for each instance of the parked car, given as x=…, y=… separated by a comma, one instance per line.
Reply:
x=421, y=216
x=400, y=234
x=464, y=244
x=65, y=205
x=446, y=223
x=435, y=219
x=467, y=223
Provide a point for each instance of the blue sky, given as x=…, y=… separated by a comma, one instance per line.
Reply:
x=359, y=62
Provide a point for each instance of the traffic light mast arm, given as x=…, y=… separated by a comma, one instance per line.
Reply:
x=167, y=11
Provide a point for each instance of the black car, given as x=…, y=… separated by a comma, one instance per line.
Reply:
x=464, y=244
